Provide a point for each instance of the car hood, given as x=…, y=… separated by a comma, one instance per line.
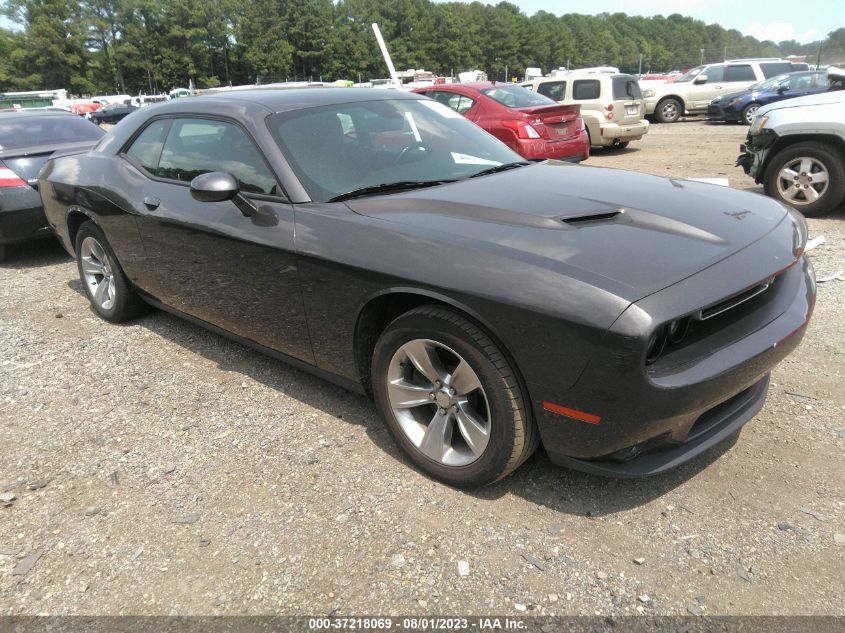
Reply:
x=628, y=233
x=733, y=95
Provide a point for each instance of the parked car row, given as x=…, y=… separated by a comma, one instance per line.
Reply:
x=692, y=92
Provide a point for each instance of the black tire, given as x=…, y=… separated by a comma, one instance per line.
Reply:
x=513, y=435
x=749, y=111
x=669, y=110
x=826, y=155
x=620, y=145
x=126, y=304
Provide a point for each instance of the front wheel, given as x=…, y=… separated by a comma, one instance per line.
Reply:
x=807, y=176
x=451, y=399
x=109, y=291
x=668, y=111
x=749, y=112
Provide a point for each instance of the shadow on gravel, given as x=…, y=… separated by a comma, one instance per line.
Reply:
x=538, y=480
x=34, y=254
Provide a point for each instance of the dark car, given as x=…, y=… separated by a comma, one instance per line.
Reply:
x=377, y=238
x=533, y=125
x=742, y=106
x=111, y=113
x=27, y=139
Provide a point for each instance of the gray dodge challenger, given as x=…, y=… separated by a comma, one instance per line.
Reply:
x=377, y=238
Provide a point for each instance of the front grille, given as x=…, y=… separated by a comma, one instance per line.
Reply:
x=734, y=301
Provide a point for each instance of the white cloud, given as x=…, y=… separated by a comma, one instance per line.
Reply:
x=775, y=31
x=779, y=31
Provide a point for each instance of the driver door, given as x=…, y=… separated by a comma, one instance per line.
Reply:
x=207, y=259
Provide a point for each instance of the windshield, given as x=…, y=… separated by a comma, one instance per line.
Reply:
x=690, y=74
x=513, y=96
x=344, y=147
x=45, y=130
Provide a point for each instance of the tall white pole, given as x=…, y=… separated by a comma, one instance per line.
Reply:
x=386, y=56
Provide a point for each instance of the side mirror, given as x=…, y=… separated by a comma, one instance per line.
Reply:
x=782, y=89
x=215, y=186
x=701, y=79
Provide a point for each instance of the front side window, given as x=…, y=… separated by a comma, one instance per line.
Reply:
x=689, y=75
x=198, y=146
x=584, y=89
x=740, y=72
x=715, y=74
x=459, y=103
x=395, y=140
x=555, y=90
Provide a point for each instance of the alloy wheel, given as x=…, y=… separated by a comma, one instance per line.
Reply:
x=97, y=273
x=750, y=111
x=439, y=402
x=669, y=110
x=802, y=181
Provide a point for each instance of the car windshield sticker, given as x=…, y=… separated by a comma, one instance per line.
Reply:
x=466, y=159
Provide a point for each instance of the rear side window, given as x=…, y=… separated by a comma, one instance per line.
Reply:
x=743, y=72
x=18, y=130
x=583, y=89
x=555, y=90
x=146, y=148
x=770, y=69
x=198, y=146
x=459, y=103
x=626, y=87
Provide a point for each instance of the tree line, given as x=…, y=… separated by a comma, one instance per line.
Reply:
x=132, y=46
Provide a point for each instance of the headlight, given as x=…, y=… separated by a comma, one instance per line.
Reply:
x=649, y=93
x=758, y=124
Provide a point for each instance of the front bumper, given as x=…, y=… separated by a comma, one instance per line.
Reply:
x=753, y=154
x=722, y=112
x=645, y=421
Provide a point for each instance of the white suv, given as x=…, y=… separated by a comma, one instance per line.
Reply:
x=693, y=91
x=611, y=104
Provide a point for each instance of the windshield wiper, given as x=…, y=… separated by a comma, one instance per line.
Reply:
x=498, y=168
x=402, y=185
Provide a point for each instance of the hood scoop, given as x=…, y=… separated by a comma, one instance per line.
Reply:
x=592, y=218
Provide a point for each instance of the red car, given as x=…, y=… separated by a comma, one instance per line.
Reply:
x=532, y=125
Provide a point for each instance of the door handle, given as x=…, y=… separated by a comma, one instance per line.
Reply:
x=152, y=203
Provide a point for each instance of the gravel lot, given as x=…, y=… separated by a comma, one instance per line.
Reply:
x=155, y=468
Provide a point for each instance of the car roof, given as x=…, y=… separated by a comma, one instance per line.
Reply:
x=283, y=99
x=26, y=113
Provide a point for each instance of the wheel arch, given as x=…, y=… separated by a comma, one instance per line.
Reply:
x=76, y=217
x=783, y=142
x=381, y=308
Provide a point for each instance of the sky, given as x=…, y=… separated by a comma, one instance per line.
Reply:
x=775, y=20
x=779, y=21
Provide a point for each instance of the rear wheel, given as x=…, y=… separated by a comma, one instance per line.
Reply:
x=807, y=176
x=109, y=291
x=451, y=399
x=749, y=112
x=669, y=110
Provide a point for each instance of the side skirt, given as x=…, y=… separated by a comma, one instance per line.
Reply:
x=340, y=381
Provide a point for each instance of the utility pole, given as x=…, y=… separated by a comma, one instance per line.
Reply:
x=640, y=67
x=702, y=57
x=725, y=58
x=506, y=73
x=819, y=57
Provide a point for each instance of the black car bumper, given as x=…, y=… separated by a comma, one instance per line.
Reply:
x=21, y=216
x=753, y=154
x=646, y=419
